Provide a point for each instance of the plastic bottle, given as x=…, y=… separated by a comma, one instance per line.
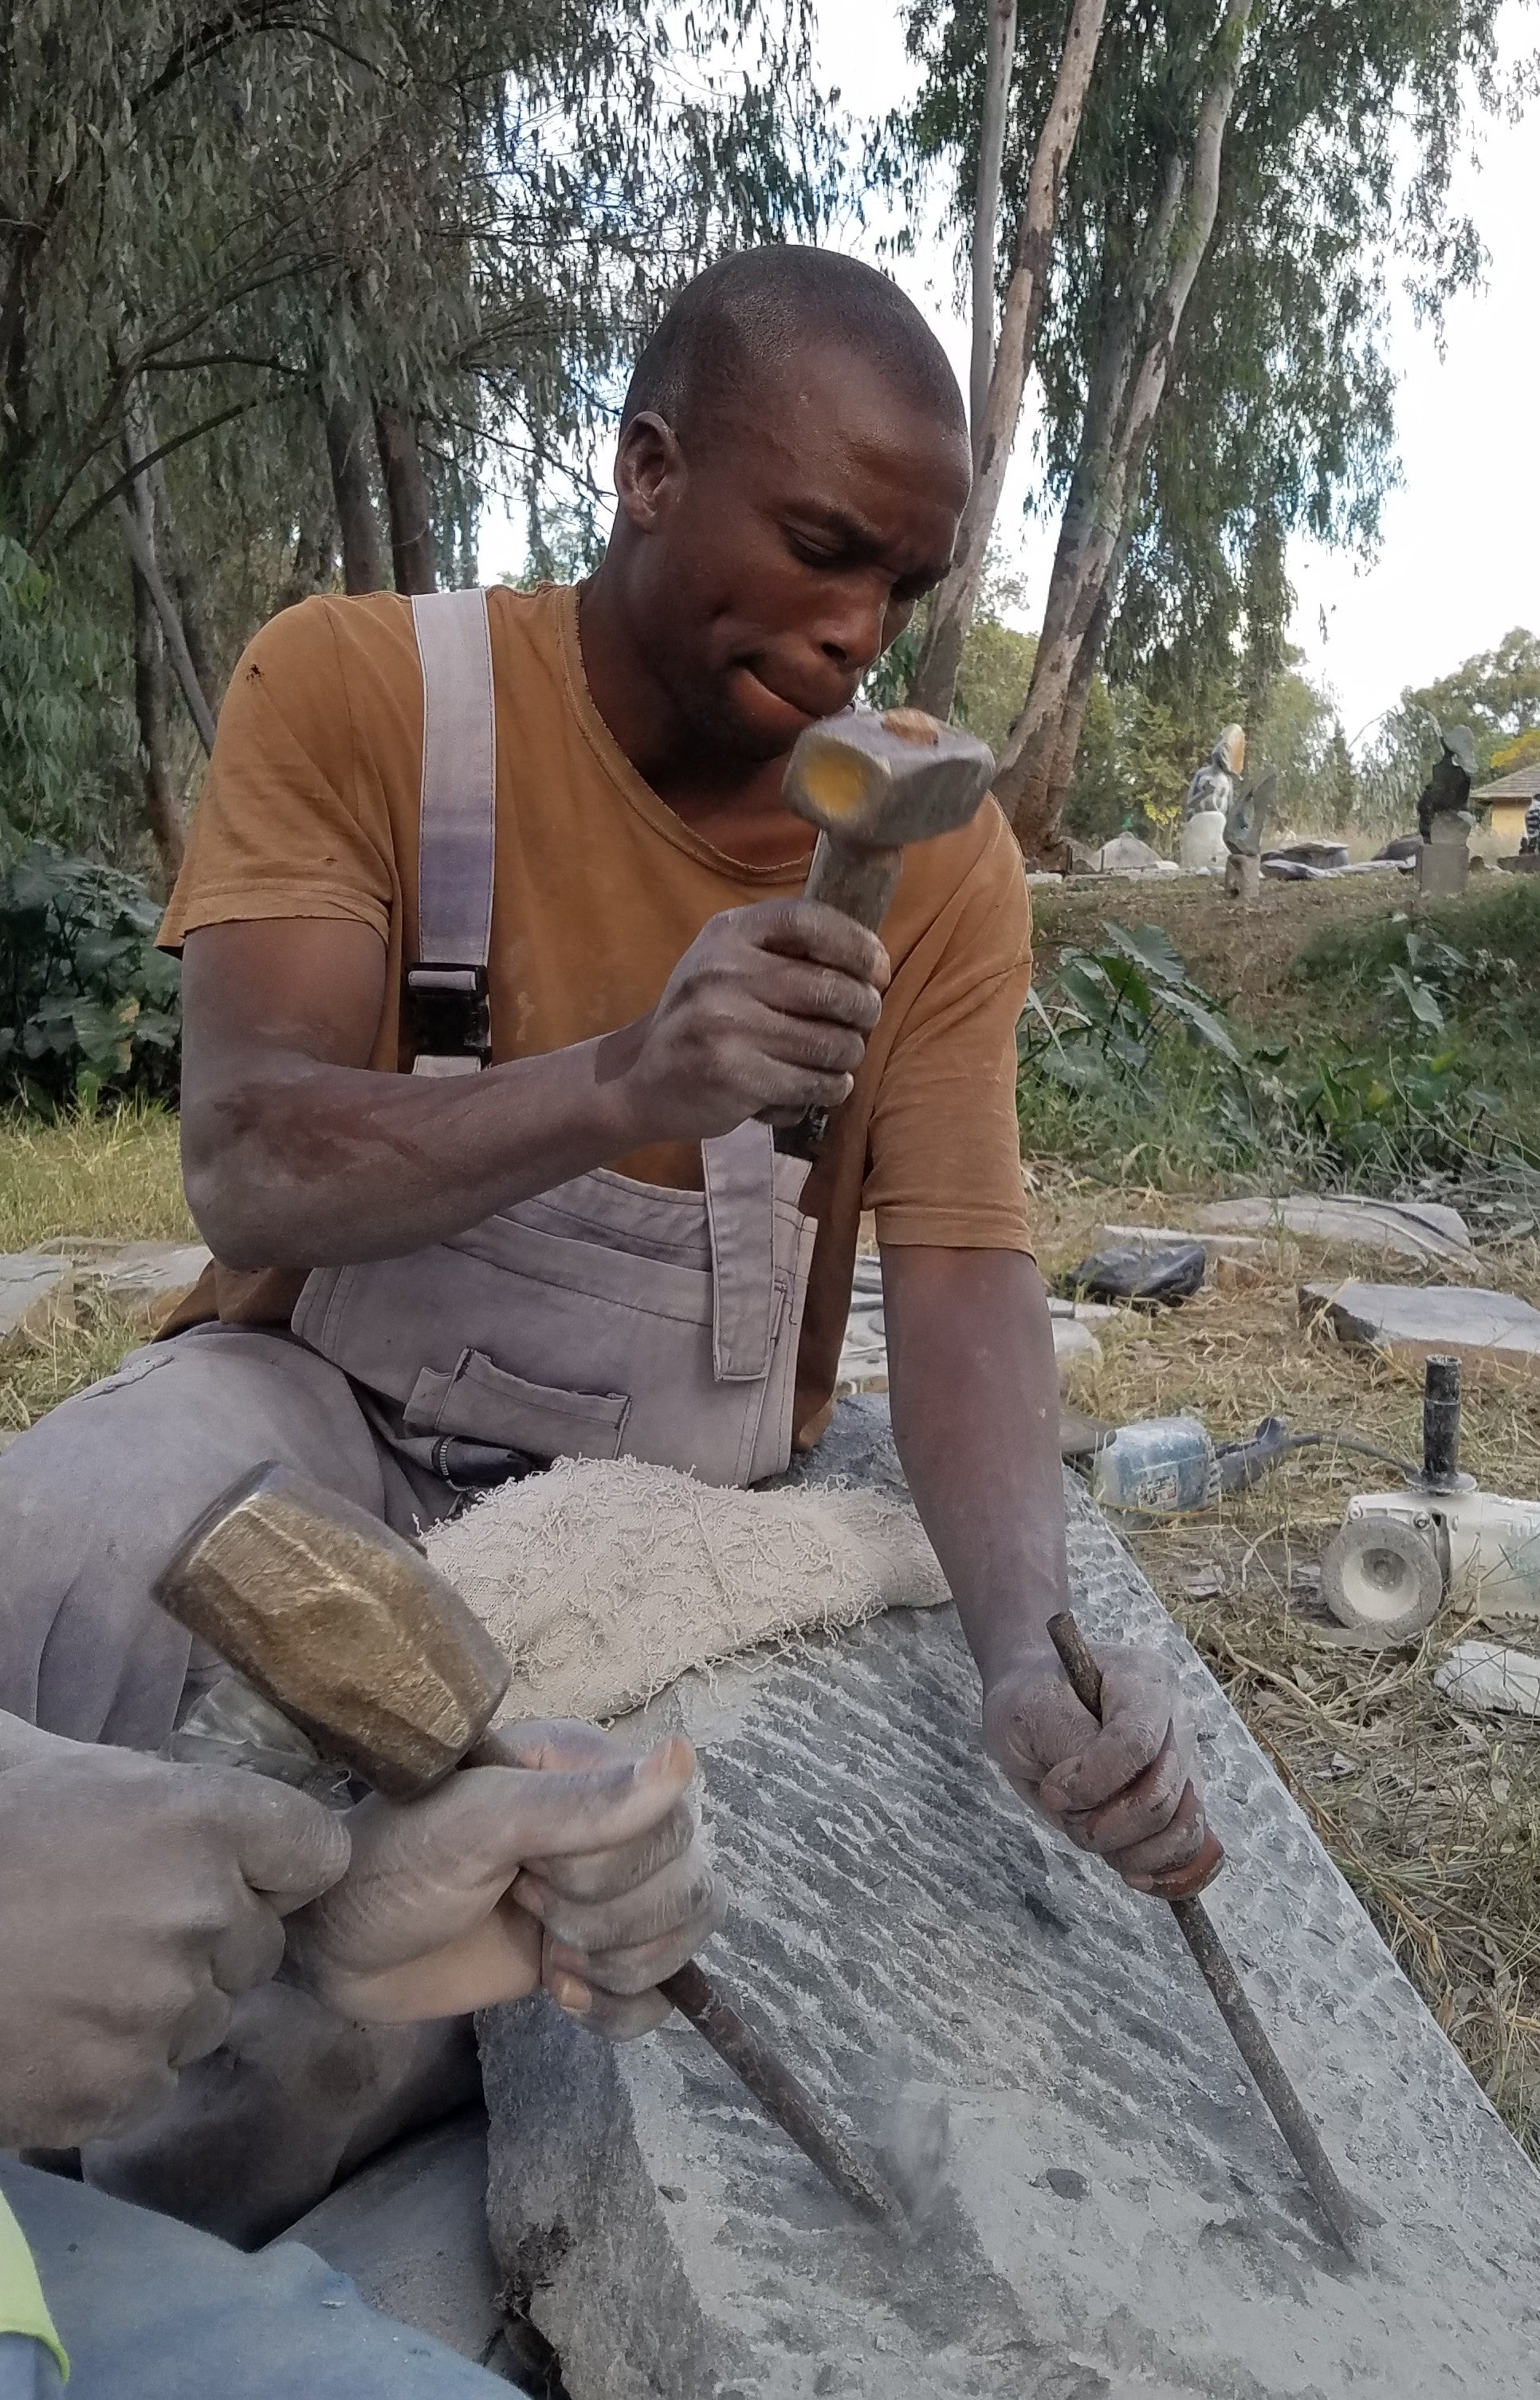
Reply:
x=1159, y=1466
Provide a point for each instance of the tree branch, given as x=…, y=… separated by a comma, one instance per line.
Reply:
x=991, y=150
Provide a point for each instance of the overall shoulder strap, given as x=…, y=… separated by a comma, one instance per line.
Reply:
x=446, y=993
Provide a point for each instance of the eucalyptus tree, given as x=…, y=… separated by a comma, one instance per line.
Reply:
x=1211, y=356
x=271, y=272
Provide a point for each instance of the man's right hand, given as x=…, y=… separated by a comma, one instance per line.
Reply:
x=767, y=1015
x=137, y=1899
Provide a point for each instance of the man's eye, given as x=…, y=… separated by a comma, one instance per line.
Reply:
x=811, y=553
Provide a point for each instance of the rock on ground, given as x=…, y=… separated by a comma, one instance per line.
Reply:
x=1111, y=2212
x=35, y=1292
x=1483, y=1328
x=1346, y=1221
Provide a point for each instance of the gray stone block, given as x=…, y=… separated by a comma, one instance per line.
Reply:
x=1483, y=1328
x=410, y=2228
x=1109, y=2209
x=35, y=1292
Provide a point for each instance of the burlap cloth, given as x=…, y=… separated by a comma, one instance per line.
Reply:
x=606, y=1579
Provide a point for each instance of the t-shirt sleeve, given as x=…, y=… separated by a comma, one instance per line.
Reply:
x=278, y=831
x=944, y=1147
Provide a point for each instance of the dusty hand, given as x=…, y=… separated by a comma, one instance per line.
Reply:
x=577, y=1863
x=1126, y=1789
x=766, y=1014
x=137, y=1899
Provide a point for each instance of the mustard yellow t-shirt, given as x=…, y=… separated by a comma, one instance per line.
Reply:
x=23, y=2307
x=311, y=808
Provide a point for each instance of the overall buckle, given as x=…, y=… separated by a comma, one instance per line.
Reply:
x=448, y=1013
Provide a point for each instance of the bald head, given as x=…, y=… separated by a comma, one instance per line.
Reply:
x=750, y=317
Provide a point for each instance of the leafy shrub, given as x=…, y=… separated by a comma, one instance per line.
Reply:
x=1126, y=1014
x=87, y=1005
x=1123, y=1059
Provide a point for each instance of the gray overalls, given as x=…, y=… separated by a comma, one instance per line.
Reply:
x=603, y=1318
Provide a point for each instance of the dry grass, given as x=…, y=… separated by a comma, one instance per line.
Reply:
x=1432, y=1816
x=117, y=1175
x=112, y=1177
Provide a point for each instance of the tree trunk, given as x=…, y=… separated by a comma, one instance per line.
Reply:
x=951, y=613
x=1105, y=489
x=154, y=508
x=141, y=550
x=313, y=564
x=991, y=151
x=163, y=815
x=406, y=501
x=351, y=490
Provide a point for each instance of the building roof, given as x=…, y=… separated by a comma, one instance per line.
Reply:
x=1522, y=784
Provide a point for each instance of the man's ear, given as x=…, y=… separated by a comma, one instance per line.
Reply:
x=649, y=471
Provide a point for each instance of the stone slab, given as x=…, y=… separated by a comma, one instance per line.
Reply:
x=143, y=1278
x=1346, y=1221
x=1109, y=2214
x=36, y=1292
x=1483, y=1328
x=410, y=2228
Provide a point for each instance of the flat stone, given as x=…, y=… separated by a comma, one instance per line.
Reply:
x=36, y=1292
x=1107, y=2210
x=1412, y=1320
x=142, y=1278
x=1484, y=1677
x=410, y=2228
x=1345, y=1221
x=1075, y=1348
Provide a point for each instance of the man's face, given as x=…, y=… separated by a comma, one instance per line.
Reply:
x=779, y=557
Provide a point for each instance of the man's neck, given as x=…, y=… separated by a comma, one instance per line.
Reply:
x=735, y=806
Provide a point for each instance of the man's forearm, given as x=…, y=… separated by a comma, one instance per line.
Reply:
x=975, y=1400
x=315, y=1164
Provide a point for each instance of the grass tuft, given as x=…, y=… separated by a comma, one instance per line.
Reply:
x=112, y=1177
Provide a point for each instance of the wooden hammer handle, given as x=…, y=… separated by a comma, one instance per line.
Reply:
x=860, y=882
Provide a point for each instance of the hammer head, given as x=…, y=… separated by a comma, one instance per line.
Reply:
x=340, y=1624
x=875, y=782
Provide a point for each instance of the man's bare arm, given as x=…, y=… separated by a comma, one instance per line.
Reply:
x=975, y=1418
x=295, y=1155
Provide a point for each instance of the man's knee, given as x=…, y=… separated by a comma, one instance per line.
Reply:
x=95, y=1498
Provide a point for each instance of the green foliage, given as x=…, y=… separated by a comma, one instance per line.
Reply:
x=1496, y=693
x=1123, y=1059
x=1523, y=751
x=992, y=680
x=56, y=721
x=216, y=224
x=88, y=1006
x=1124, y=1016
x=1336, y=177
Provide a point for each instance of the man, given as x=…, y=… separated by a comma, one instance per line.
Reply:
x=792, y=466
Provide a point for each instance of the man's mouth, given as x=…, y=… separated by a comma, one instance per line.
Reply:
x=810, y=706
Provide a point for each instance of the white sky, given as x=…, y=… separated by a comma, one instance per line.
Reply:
x=1459, y=561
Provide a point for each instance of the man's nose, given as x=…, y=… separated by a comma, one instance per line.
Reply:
x=850, y=635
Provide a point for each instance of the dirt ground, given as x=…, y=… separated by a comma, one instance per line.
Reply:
x=1241, y=955
x=1433, y=1817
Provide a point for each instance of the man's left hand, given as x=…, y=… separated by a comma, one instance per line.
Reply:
x=1126, y=1789
x=576, y=1863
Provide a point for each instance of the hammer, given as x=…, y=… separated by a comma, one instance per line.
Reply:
x=870, y=783
x=368, y=1650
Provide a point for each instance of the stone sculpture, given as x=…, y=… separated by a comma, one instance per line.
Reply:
x=1443, y=819
x=1243, y=837
x=1208, y=797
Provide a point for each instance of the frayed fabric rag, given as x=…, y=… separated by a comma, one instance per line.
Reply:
x=607, y=1579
